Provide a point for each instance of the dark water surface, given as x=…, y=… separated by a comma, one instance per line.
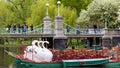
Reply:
x=98, y=66
x=102, y=66
x=109, y=65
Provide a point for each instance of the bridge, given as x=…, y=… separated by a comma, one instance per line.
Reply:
x=60, y=31
x=49, y=35
x=39, y=32
x=107, y=34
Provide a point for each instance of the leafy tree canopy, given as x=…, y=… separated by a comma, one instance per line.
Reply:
x=39, y=12
x=20, y=9
x=33, y=11
x=100, y=11
x=77, y=4
x=5, y=14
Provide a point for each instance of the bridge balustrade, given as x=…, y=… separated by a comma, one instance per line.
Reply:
x=41, y=30
x=112, y=31
x=84, y=31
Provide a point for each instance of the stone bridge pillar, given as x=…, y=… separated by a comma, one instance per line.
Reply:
x=60, y=39
x=47, y=25
x=111, y=37
x=47, y=22
x=47, y=28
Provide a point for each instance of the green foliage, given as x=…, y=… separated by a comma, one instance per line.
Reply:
x=99, y=10
x=77, y=43
x=33, y=11
x=20, y=9
x=83, y=18
x=5, y=14
x=39, y=12
x=77, y=4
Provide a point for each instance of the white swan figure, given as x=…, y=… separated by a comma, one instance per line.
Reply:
x=35, y=44
x=31, y=51
x=47, y=53
x=38, y=52
x=27, y=52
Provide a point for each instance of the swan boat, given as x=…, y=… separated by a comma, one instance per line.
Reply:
x=58, y=59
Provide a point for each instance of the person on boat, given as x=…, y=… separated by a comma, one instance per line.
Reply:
x=87, y=46
x=115, y=52
x=67, y=44
x=105, y=50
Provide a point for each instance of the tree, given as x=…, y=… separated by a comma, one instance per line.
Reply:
x=39, y=12
x=77, y=4
x=117, y=23
x=5, y=15
x=33, y=11
x=83, y=18
x=99, y=10
x=20, y=9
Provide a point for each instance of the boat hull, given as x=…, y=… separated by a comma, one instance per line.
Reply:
x=19, y=63
x=85, y=62
x=24, y=64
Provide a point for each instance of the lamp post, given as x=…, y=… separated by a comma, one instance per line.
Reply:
x=47, y=5
x=59, y=39
x=47, y=22
x=105, y=20
x=58, y=8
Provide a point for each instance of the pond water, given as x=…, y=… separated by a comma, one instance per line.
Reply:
x=101, y=66
x=97, y=66
x=81, y=67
